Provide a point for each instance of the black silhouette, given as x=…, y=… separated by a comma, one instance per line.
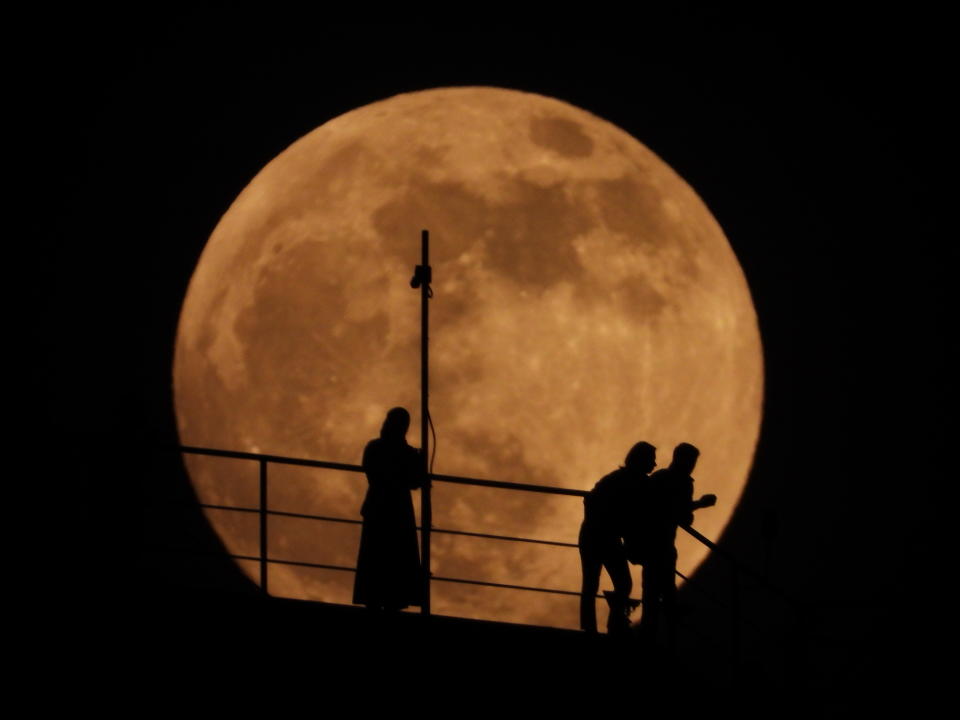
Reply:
x=666, y=503
x=606, y=516
x=389, y=574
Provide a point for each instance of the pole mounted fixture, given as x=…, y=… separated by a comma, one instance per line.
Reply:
x=422, y=277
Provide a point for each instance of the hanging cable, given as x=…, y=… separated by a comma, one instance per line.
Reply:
x=433, y=433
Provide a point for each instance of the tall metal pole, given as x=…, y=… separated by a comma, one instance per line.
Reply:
x=426, y=510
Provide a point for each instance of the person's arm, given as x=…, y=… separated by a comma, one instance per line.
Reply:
x=685, y=504
x=414, y=475
x=373, y=464
x=706, y=501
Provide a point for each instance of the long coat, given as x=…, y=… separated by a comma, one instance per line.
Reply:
x=388, y=564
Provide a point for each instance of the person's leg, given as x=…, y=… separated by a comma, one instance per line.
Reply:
x=668, y=591
x=590, y=566
x=650, y=587
x=619, y=570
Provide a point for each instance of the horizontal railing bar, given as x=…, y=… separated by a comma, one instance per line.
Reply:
x=508, y=587
x=506, y=537
x=276, y=459
x=345, y=568
x=432, y=578
x=549, y=489
x=551, y=591
x=281, y=460
x=314, y=517
x=702, y=538
x=360, y=522
x=223, y=507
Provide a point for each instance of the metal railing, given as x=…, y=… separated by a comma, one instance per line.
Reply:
x=264, y=512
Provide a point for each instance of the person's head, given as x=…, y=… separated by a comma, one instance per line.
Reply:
x=396, y=424
x=641, y=458
x=684, y=458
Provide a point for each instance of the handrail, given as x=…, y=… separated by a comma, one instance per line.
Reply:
x=276, y=459
x=283, y=460
x=549, y=489
x=350, y=521
x=437, y=578
x=455, y=479
x=264, y=459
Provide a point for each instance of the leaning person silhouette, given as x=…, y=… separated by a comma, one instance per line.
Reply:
x=606, y=512
x=665, y=503
x=389, y=575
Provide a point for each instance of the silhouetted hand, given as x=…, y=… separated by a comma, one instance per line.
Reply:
x=708, y=500
x=424, y=477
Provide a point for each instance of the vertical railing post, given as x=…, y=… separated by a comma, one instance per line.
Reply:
x=263, y=527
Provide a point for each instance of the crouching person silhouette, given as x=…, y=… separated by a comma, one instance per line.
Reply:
x=606, y=514
x=389, y=575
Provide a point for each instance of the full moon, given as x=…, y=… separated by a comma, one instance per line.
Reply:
x=584, y=299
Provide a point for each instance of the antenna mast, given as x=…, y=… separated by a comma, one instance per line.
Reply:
x=422, y=276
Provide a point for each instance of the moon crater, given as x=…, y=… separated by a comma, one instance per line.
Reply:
x=561, y=135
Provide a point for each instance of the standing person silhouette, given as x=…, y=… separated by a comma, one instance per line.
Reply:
x=667, y=503
x=389, y=576
x=606, y=511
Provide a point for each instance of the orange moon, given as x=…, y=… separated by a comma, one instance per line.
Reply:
x=584, y=299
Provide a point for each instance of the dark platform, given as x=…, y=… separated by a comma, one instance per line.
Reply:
x=350, y=650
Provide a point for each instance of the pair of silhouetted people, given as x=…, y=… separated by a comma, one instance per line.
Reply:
x=631, y=516
x=389, y=575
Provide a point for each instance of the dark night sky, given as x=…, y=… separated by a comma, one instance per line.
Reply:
x=819, y=149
